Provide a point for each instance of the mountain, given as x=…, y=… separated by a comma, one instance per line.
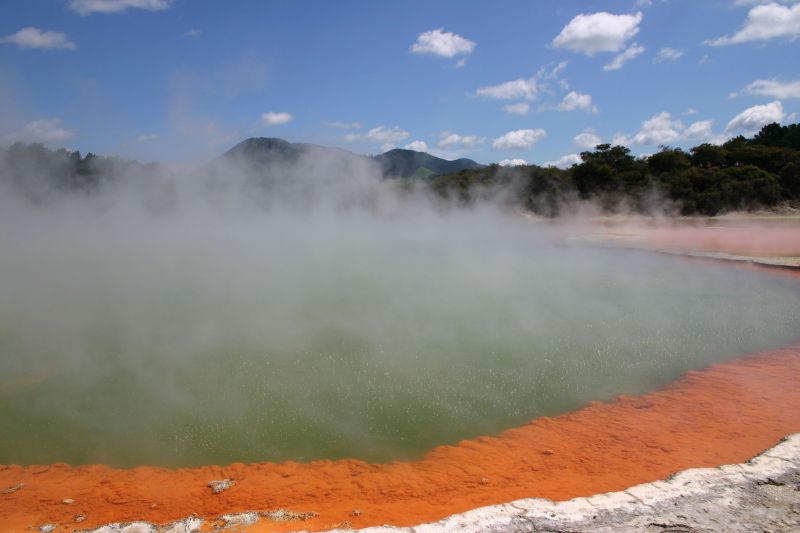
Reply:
x=273, y=150
x=410, y=164
x=395, y=163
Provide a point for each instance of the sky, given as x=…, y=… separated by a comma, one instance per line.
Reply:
x=503, y=81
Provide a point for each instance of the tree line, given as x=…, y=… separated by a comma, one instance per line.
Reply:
x=741, y=174
x=40, y=173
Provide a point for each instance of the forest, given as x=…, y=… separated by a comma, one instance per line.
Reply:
x=743, y=174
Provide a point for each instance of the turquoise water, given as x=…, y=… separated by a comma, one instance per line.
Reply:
x=265, y=348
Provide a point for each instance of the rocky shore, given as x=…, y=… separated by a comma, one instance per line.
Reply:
x=762, y=494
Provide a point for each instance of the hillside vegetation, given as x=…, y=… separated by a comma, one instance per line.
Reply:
x=742, y=174
x=762, y=172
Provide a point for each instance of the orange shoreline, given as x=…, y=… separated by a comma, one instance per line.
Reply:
x=726, y=413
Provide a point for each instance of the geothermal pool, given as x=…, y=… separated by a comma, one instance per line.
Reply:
x=291, y=339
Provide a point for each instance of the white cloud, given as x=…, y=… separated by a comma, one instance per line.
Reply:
x=668, y=54
x=765, y=22
x=519, y=139
x=700, y=130
x=690, y=111
x=461, y=62
x=564, y=161
x=387, y=137
x=575, y=100
x=663, y=129
x=87, y=7
x=554, y=73
x=659, y=129
x=146, y=137
x=775, y=89
x=273, y=118
x=619, y=60
x=341, y=125
x=521, y=108
x=419, y=146
x=451, y=140
x=754, y=118
x=194, y=32
x=43, y=40
x=512, y=162
x=46, y=130
x=587, y=139
x=442, y=43
x=527, y=89
x=598, y=32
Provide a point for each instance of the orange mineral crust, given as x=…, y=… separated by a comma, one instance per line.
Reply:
x=726, y=413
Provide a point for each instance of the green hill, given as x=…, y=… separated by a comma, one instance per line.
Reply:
x=397, y=163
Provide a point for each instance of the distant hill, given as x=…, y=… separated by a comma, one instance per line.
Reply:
x=273, y=150
x=410, y=164
x=395, y=163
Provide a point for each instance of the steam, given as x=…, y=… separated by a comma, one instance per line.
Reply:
x=313, y=309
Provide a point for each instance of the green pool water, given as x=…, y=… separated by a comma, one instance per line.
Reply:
x=150, y=348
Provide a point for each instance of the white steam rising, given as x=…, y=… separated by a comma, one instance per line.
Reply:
x=322, y=311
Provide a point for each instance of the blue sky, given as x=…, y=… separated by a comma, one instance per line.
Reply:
x=184, y=80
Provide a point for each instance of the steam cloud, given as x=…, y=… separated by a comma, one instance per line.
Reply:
x=315, y=310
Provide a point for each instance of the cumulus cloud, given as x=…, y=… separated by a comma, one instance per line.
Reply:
x=273, y=118
x=509, y=90
x=587, y=139
x=700, y=130
x=419, y=146
x=450, y=140
x=663, y=129
x=387, y=137
x=194, y=32
x=775, y=88
x=525, y=89
x=519, y=139
x=512, y=162
x=668, y=54
x=690, y=111
x=46, y=130
x=575, y=100
x=442, y=43
x=87, y=7
x=598, y=32
x=564, y=161
x=620, y=59
x=521, y=108
x=341, y=125
x=31, y=37
x=764, y=22
x=754, y=118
